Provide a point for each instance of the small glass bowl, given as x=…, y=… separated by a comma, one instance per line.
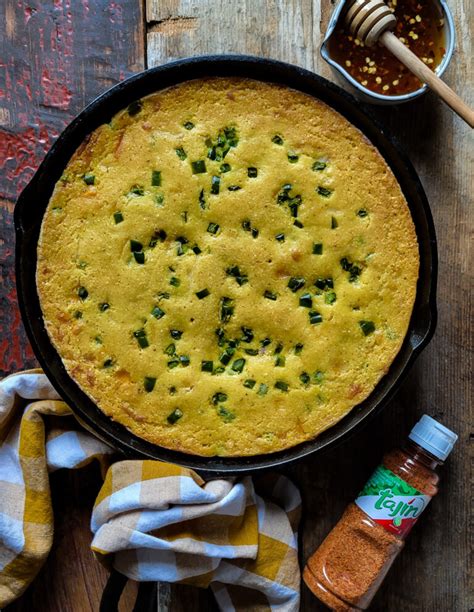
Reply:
x=372, y=97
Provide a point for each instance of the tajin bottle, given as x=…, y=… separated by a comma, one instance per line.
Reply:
x=350, y=564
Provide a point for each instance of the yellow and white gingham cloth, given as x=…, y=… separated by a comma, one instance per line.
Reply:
x=151, y=520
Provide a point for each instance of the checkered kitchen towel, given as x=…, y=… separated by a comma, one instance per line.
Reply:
x=151, y=520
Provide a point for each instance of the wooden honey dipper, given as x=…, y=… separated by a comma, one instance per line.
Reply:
x=371, y=21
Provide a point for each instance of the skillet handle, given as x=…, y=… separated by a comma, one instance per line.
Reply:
x=424, y=325
x=24, y=213
x=146, y=600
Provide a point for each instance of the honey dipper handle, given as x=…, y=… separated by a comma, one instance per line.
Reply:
x=426, y=75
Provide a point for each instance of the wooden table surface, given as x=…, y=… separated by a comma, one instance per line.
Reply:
x=55, y=56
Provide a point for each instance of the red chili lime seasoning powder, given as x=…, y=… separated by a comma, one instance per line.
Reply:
x=349, y=566
x=420, y=26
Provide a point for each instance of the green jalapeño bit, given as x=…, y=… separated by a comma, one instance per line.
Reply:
x=174, y=416
x=315, y=317
x=202, y=294
x=156, y=178
x=149, y=383
x=207, y=366
x=367, y=327
x=215, y=185
x=157, y=312
x=213, y=228
x=141, y=338
x=198, y=167
x=181, y=153
x=238, y=365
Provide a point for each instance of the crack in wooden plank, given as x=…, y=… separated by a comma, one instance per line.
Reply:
x=173, y=25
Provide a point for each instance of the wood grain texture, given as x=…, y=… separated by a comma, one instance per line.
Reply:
x=15, y=351
x=55, y=57
x=199, y=27
x=433, y=571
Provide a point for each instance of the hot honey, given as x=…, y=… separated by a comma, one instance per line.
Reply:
x=420, y=26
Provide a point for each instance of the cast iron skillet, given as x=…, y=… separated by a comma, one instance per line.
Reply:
x=34, y=199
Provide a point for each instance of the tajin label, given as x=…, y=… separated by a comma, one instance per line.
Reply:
x=391, y=502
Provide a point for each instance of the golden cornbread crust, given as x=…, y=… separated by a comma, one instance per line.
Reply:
x=137, y=242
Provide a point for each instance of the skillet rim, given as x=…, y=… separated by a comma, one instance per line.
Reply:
x=29, y=213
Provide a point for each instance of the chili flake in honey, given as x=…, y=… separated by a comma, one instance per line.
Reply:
x=420, y=26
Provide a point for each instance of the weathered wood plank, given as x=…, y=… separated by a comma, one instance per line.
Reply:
x=54, y=58
x=433, y=570
x=15, y=351
x=282, y=29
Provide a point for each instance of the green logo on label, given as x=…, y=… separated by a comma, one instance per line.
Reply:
x=399, y=507
x=391, y=501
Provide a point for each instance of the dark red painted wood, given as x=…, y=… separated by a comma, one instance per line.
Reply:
x=55, y=56
x=15, y=351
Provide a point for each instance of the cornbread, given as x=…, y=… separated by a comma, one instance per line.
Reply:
x=227, y=268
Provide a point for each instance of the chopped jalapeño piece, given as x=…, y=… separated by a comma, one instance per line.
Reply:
x=202, y=294
x=156, y=178
x=296, y=283
x=157, y=312
x=238, y=365
x=141, y=338
x=315, y=317
x=174, y=416
x=213, y=228
x=149, y=383
x=198, y=167
x=324, y=191
x=270, y=295
x=367, y=327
